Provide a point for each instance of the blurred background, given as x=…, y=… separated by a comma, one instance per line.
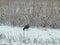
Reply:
x=38, y=13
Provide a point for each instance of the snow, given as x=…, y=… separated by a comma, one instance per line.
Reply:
x=33, y=36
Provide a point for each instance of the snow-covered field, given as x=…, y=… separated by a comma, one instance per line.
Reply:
x=33, y=36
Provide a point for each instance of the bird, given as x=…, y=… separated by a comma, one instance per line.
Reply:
x=26, y=27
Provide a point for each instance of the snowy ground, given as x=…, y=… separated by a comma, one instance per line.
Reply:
x=33, y=36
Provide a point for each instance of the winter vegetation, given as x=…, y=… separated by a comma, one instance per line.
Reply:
x=43, y=16
x=45, y=13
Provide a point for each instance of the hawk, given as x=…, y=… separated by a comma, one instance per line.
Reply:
x=26, y=27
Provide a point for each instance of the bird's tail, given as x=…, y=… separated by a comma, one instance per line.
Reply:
x=23, y=28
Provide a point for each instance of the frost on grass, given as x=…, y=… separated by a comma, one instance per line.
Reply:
x=33, y=36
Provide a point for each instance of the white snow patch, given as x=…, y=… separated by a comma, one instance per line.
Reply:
x=16, y=35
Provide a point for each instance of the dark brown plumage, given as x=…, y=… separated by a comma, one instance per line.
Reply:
x=26, y=27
